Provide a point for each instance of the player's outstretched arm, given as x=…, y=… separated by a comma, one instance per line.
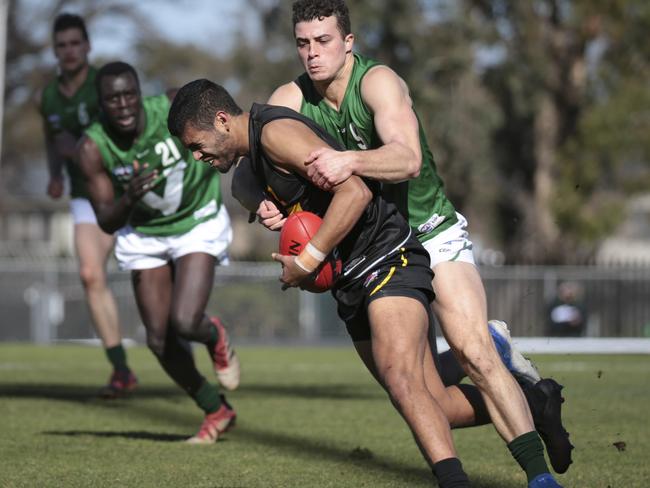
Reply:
x=112, y=214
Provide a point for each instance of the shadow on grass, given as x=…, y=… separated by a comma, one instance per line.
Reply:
x=300, y=447
x=135, y=435
x=293, y=445
x=78, y=394
x=359, y=456
x=340, y=391
x=83, y=394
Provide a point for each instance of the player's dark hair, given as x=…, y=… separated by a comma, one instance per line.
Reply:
x=307, y=10
x=196, y=104
x=115, y=68
x=65, y=21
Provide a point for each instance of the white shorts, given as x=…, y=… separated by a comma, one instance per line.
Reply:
x=82, y=211
x=135, y=250
x=452, y=244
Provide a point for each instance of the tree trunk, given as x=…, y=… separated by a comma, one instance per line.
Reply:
x=545, y=233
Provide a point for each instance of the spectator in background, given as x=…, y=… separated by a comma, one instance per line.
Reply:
x=567, y=317
x=68, y=105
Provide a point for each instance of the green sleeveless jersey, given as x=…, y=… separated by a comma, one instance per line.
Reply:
x=73, y=115
x=421, y=200
x=186, y=193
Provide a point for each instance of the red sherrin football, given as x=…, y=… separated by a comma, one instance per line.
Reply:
x=296, y=232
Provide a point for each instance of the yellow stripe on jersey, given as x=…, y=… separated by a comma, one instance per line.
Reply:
x=405, y=261
x=384, y=281
x=291, y=210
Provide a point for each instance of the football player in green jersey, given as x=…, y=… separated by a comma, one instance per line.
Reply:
x=68, y=104
x=366, y=106
x=172, y=230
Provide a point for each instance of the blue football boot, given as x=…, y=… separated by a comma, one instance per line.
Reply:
x=545, y=480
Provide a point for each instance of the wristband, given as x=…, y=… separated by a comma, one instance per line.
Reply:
x=302, y=266
x=310, y=258
x=315, y=252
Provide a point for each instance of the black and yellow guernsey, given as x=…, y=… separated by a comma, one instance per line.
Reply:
x=379, y=233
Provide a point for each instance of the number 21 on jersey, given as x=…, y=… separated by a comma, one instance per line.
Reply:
x=173, y=172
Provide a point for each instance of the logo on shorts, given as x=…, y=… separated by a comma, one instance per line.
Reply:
x=370, y=278
x=455, y=246
x=434, y=221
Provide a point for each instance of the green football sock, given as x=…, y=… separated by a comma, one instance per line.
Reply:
x=528, y=451
x=214, y=337
x=207, y=398
x=117, y=357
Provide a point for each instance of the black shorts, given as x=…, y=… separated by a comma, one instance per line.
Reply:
x=405, y=273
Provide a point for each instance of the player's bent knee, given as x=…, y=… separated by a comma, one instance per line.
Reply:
x=479, y=359
x=92, y=277
x=186, y=324
x=156, y=344
x=481, y=369
x=401, y=385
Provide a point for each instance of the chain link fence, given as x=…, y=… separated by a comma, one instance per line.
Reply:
x=44, y=302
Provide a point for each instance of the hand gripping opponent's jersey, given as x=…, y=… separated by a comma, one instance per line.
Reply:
x=73, y=114
x=380, y=231
x=186, y=193
x=421, y=200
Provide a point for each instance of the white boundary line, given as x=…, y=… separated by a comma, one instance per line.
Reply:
x=575, y=345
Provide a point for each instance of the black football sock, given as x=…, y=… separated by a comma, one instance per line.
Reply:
x=528, y=451
x=117, y=357
x=449, y=473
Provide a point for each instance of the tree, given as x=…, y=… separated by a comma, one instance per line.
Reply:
x=558, y=146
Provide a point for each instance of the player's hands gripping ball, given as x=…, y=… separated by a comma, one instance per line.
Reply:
x=296, y=233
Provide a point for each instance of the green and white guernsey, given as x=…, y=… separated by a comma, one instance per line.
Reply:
x=186, y=192
x=421, y=200
x=73, y=115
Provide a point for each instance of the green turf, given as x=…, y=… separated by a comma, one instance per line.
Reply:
x=306, y=418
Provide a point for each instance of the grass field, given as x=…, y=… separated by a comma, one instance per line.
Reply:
x=306, y=418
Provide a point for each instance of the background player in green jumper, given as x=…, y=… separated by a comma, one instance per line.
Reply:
x=68, y=105
x=172, y=231
x=367, y=106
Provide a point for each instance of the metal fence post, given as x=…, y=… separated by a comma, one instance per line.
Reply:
x=309, y=322
x=46, y=312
